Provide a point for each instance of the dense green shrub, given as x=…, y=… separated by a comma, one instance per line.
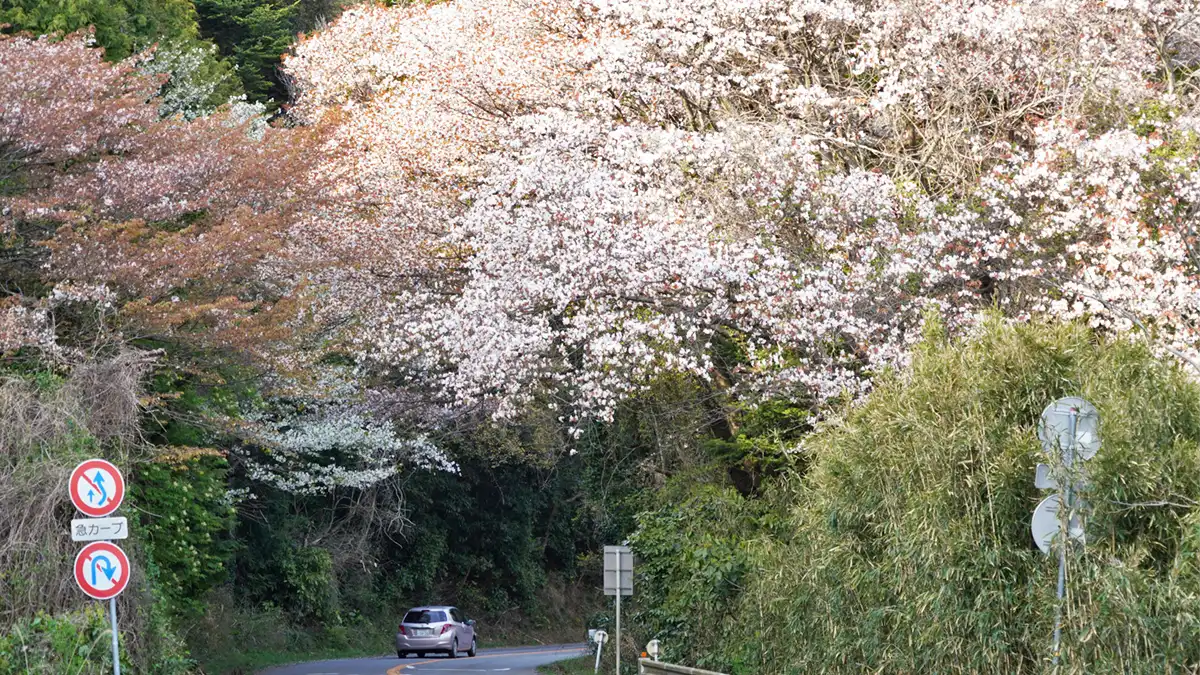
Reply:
x=906, y=546
x=78, y=643
x=693, y=560
x=186, y=521
x=122, y=26
x=308, y=574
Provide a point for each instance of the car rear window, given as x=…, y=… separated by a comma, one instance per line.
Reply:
x=424, y=616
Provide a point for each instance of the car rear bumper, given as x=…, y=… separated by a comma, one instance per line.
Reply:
x=415, y=644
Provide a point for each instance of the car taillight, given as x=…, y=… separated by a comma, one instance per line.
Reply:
x=400, y=628
x=446, y=628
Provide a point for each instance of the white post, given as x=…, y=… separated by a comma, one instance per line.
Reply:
x=599, y=649
x=112, y=613
x=618, y=647
x=1064, y=527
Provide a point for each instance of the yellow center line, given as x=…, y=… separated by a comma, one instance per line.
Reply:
x=398, y=669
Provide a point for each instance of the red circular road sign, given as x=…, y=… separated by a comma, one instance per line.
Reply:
x=96, y=487
x=102, y=570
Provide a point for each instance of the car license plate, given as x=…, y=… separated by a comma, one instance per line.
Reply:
x=422, y=631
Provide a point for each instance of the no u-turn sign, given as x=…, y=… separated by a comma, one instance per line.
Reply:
x=102, y=570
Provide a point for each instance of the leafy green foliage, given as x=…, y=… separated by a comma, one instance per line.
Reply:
x=757, y=446
x=484, y=538
x=308, y=576
x=906, y=545
x=199, y=82
x=255, y=34
x=122, y=26
x=45, y=645
x=182, y=398
x=313, y=14
x=186, y=521
x=234, y=639
x=481, y=529
x=693, y=556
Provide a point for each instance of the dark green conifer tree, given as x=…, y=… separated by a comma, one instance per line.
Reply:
x=255, y=34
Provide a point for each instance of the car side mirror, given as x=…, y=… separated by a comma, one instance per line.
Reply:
x=470, y=622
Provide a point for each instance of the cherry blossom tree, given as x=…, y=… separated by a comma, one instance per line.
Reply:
x=571, y=199
x=557, y=202
x=310, y=455
x=175, y=217
x=182, y=229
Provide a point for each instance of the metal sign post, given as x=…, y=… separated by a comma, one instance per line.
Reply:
x=112, y=614
x=102, y=572
x=102, y=569
x=618, y=581
x=1069, y=431
x=618, y=653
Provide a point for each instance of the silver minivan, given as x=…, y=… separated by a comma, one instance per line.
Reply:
x=442, y=628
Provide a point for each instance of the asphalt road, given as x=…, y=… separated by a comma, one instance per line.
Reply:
x=514, y=661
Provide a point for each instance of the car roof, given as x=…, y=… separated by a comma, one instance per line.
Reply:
x=425, y=608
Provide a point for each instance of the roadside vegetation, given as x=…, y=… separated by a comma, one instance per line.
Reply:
x=387, y=304
x=584, y=665
x=229, y=590
x=898, y=540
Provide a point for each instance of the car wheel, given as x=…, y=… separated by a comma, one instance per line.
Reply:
x=400, y=655
x=472, y=650
x=454, y=649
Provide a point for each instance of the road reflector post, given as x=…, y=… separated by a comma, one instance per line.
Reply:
x=601, y=637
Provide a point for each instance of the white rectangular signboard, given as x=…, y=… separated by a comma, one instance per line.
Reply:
x=611, y=556
x=99, y=529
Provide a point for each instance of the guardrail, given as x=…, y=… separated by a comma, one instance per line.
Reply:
x=650, y=667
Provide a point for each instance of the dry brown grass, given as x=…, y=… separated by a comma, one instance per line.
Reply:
x=44, y=432
x=98, y=400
